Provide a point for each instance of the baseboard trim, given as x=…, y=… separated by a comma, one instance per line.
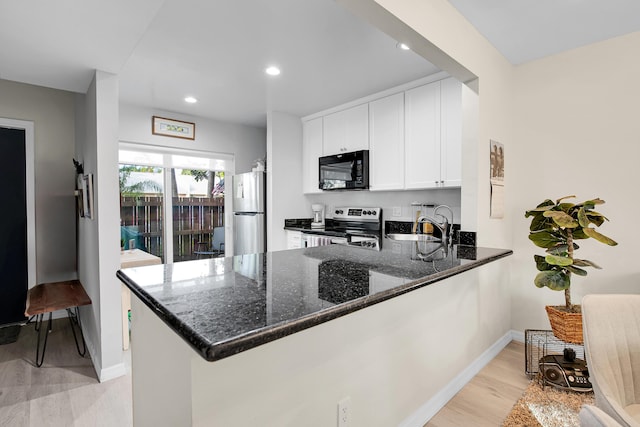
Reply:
x=430, y=408
x=104, y=374
x=112, y=372
x=517, y=335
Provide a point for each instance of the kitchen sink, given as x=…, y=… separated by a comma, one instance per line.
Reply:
x=413, y=237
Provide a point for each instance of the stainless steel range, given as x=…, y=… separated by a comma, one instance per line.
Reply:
x=361, y=227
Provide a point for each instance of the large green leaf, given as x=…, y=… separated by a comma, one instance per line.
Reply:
x=539, y=222
x=541, y=264
x=554, y=280
x=561, y=249
x=578, y=234
x=561, y=261
x=583, y=220
x=599, y=237
x=545, y=239
x=576, y=270
x=566, y=207
x=536, y=211
x=562, y=219
x=596, y=218
x=544, y=206
x=586, y=263
x=597, y=201
x=590, y=204
x=562, y=198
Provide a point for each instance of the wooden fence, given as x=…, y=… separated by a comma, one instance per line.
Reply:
x=194, y=219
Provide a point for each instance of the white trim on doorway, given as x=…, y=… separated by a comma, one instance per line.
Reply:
x=30, y=178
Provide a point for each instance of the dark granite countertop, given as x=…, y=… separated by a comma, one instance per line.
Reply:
x=224, y=306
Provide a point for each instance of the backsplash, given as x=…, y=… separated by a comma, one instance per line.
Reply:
x=388, y=200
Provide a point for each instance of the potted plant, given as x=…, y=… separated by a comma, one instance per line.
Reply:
x=555, y=227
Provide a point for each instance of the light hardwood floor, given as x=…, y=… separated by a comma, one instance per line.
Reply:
x=489, y=396
x=65, y=391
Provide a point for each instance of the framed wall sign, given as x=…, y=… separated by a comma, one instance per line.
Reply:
x=174, y=128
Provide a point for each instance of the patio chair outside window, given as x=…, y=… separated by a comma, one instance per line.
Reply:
x=215, y=248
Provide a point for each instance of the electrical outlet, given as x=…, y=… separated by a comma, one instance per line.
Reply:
x=344, y=414
x=397, y=211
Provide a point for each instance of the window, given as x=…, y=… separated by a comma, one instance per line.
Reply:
x=172, y=204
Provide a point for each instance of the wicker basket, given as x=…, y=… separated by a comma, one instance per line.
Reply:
x=565, y=326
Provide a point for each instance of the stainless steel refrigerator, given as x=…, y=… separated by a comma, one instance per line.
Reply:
x=249, y=226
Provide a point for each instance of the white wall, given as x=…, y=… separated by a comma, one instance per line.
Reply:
x=579, y=104
x=246, y=143
x=460, y=50
x=396, y=357
x=98, y=238
x=52, y=112
x=577, y=132
x=284, y=176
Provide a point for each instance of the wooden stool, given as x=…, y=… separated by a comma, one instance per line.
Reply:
x=49, y=297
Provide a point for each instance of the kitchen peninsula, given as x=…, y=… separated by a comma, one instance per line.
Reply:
x=279, y=338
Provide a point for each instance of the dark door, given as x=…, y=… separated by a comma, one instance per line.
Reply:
x=13, y=226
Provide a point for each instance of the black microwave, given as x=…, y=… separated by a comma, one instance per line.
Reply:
x=346, y=171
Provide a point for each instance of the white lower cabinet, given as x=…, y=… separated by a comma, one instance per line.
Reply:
x=386, y=143
x=312, y=136
x=294, y=239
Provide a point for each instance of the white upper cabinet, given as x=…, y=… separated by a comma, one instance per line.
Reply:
x=433, y=139
x=422, y=137
x=451, y=133
x=414, y=137
x=346, y=130
x=386, y=143
x=311, y=151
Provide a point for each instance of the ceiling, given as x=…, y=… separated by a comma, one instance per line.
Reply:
x=217, y=50
x=525, y=30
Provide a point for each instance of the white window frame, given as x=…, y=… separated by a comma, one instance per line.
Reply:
x=167, y=158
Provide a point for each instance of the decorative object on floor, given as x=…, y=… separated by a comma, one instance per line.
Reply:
x=565, y=372
x=555, y=227
x=547, y=407
x=539, y=343
x=9, y=334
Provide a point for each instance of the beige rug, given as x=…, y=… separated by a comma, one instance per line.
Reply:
x=547, y=408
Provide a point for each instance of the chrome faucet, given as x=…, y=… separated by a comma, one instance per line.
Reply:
x=442, y=225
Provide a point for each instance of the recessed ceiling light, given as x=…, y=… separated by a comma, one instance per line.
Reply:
x=272, y=71
x=190, y=100
x=403, y=46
